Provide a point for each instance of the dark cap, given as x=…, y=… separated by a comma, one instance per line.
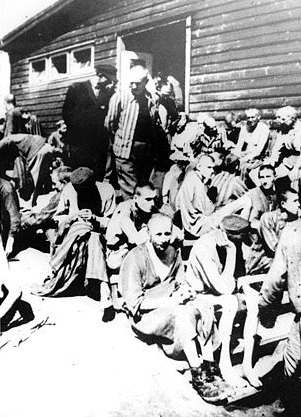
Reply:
x=82, y=176
x=235, y=224
x=107, y=71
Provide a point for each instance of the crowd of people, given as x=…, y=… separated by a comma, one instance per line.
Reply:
x=179, y=224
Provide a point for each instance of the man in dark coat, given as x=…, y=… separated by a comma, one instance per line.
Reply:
x=84, y=113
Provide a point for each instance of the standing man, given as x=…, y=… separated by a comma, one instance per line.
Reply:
x=132, y=118
x=14, y=121
x=87, y=139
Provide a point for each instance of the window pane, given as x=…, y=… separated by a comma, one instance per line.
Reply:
x=82, y=59
x=38, y=70
x=59, y=65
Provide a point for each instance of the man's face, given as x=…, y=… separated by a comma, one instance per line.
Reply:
x=252, y=118
x=284, y=121
x=137, y=85
x=292, y=204
x=56, y=183
x=160, y=234
x=205, y=166
x=104, y=84
x=210, y=131
x=182, y=122
x=158, y=82
x=266, y=178
x=218, y=159
x=94, y=79
x=63, y=129
x=146, y=199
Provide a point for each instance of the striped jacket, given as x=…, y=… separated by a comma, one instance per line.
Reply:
x=122, y=118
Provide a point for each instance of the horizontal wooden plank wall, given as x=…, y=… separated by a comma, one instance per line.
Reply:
x=47, y=100
x=244, y=53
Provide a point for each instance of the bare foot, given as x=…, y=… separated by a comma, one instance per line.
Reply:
x=232, y=377
x=251, y=376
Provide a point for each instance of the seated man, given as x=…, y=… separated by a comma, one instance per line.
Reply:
x=79, y=253
x=58, y=137
x=251, y=145
x=232, y=126
x=215, y=263
x=258, y=200
x=286, y=152
x=271, y=225
x=209, y=139
x=161, y=309
x=173, y=178
x=127, y=229
x=31, y=157
x=228, y=184
x=195, y=206
x=42, y=219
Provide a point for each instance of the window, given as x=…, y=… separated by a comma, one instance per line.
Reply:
x=81, y=60
x=38, y=71
x=68, y=63
x=58, y=66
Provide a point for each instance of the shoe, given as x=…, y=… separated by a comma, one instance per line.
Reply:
x=108, y=314
x=210, y=387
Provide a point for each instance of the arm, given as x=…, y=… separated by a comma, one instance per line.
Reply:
x=196, y=209
x=276, y=150
x=109, y=205
x=243, y=205
x=134, y=237
x=268, y=232
x=273, y=285
x=241, y=140
x=111, y=120
x=203, y=274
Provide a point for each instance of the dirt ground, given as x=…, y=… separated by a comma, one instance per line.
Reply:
x=74, y=365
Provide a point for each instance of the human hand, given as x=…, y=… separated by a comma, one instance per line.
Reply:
x=183, y=294
x=222, y=239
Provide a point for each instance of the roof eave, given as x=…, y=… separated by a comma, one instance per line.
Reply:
x=32, y=22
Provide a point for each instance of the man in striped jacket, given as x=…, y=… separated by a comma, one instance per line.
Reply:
x=132, y=119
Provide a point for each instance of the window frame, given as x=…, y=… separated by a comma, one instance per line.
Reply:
x=32, y=77
x=62, y=75
x=71, y=73
x=85, y=70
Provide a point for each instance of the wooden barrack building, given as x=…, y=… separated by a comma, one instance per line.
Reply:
x=227, y=54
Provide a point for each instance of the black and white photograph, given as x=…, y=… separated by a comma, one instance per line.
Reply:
x=150, y=219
